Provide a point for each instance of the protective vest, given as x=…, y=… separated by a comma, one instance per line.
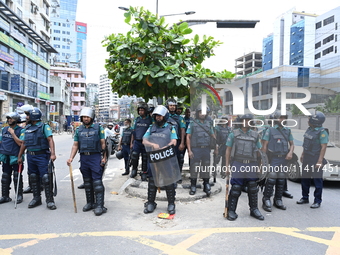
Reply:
x=161, y=134
x=89, y=139
x=127, y=135
x=174, y=121
x=141, y=127
x=278, y=144
x=222, y=135
x=200, y=134
x=244, y=147
x=35, y=138
x=8, y=146
x=311, y=145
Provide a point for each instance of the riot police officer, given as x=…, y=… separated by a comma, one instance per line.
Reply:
x=165, y=172
x=124, y=144
x=142, y=123
x=278, y=143
x=179, y=108
x=89, y=139
x=39, y=142
x=222, y=133
x=9, y=149
x=199, y=134
x=178, y=122
x=241, y=157
x=312, y=158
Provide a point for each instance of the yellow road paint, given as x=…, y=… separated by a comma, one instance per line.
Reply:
x=196, y=235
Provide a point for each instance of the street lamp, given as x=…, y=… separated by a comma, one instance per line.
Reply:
x=223, y=23
x=184, y=13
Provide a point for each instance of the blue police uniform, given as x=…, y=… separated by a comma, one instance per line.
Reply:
x=313, y=138
x=90, y=150
x=125, y=143
x=38, y=156
x=178, y=122
x=278, y=146
x=141, y=125
x=9, y=151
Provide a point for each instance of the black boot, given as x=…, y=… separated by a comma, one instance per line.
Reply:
x=150, y=206
x=206, y=187
x=233, y=196
x=285, y=190
x=193, y=186
x=5, y=183
x=252, y=197
x=35, y=186
x=171, y=196
x=81, y=186
x=28, y=188
x=133, y=173
x=48, y=192
x=89, y=195
x=20, y=191
x=144, y=177
x=99, y=191
x=267, y=193
x=127, y=168
x=278, y=194
x=144, y=173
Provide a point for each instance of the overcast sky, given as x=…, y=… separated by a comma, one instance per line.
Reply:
x=104, y=18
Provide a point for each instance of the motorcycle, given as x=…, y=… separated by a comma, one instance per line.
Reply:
x=112, y=142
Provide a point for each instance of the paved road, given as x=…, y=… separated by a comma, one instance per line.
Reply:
x=198, y=227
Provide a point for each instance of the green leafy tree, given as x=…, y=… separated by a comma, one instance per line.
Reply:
x=155, y=59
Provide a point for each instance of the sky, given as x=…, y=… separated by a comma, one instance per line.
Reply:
x=104, y=18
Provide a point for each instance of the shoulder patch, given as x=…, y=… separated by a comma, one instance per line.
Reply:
x=173, y=131
x=323, y=135
x=102, y=131
x=48, y=128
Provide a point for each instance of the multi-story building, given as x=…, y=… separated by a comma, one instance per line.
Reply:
x=68, y=36
x=60, y=96
x=76, y=82
x=92, y=91
x=24, y=54
x=108, y=100
x=248, y=63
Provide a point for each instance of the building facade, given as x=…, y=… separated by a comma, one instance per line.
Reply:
x=108, y=100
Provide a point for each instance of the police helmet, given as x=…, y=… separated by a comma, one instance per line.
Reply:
x=224, y=117
x=246, y=116
x=25, y=108
x=180, y=105
x=170, y=101
x=144, y=106
x=317, y=119
x=14, y=116
x=88, y=112
x=151, y=108
x=110, y=124
x=22, y=118
x=161, y=110
x=119, y=154
x=199, y=108
x=35, y=114
x=277, y=114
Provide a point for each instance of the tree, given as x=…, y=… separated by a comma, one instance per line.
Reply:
x=153, y=59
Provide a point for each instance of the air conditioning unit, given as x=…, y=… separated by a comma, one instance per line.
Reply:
x=36, y=9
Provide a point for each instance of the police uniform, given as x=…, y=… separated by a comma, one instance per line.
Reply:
x=222, y=133
x=243, y=147
x=163, y=133
x=9, y=150
x=200, y=136
x=278, y=148
x=313, y=138
x=38, y=156
x=125, y=143
x=141, y=125
x=89, y=144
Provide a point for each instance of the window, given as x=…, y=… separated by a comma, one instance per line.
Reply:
x=43, y=74
x=4, y=48
x=56, y=38
x=76, y=76
x=32, y=47
x=328, y=39
x=69, y=75
x=32, y=69
x=19, y=12
x=56, y=31
x=57, y=46
x=328, y=50
x=4, y=80
x=82, y=94
x=32, y=88
x=42, y=88
x=317, y=45
x=76, y=94
x=51, y=90
x=43, y=54
x=328, y=20
x=22, y=85
x=317, y=56
x=303, y=77
x=256, y=91
x=19, y=62
x=318, y=25
x=75, y=104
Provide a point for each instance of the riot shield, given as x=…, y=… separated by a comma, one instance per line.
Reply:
x=263, y=167
x=162, y=159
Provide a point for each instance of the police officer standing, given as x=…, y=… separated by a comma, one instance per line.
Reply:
x=124, y=144
x=278, y=143
x=38, y=141
x=89, y=140
x=142, y=123
x=222, y=133
x=159, y=135
x=199, y=135
x=178, y=122
x=241, y=156
x=9, y=148
x=312, y=158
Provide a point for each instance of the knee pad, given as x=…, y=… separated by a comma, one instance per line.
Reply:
x=272, y=175
x=252, y=187
x=236, y=190
x=134, y=159
x=98, y=186
x=281, y=175
x=45, y=179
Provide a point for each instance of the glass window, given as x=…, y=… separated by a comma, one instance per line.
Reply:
x=32, y=88
x=19, y=62
x=43, y=74
x=32, y=69
x=43, y=54
x=4, y=80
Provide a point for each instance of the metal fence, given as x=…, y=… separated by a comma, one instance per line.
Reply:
x=334, y=137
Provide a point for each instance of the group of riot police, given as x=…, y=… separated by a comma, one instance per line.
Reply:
x=161, y=136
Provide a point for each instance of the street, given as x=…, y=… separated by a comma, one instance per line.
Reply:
x=198, y=226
